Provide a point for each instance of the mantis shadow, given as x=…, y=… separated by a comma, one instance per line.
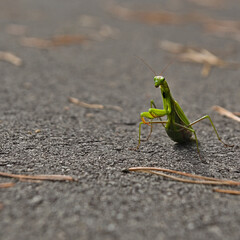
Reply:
x=188, y=150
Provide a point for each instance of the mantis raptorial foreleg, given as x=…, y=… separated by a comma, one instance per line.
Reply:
x=151, y=114
x=152, y=104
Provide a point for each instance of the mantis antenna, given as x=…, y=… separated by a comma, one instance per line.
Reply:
x=146, y=64
x=164, y=69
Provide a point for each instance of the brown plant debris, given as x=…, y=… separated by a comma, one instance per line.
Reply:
x=226, y=28
x=195, y=179
x=203, y=180
x=1, y=206
x=223, y=28
x=7, y=185
x=93, y=106
x=84, y=104
x=30, y=180
x=209, y=3
x=15, y=29
x=228, y=191
x=226, y=113
x=11, y=58
x=150, y=17
x=55, y=41
x=196, y=55
x=88, y=21
x=158, y=16
x=39, y=177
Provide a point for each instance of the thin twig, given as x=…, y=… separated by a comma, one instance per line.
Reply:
x=226, y=113
x=30, y=180
x=181, y=173
x=235, y=192
x=11, y=58
x=213, y=182
x=6, y=185
x=236, y=113
x=84, y=104
x=113, y=107
x=94, y=106
x=56, y=41
x=39, y=177
x=204, y=180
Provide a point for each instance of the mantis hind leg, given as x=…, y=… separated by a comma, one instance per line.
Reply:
x=194, y=132
x=215, y=130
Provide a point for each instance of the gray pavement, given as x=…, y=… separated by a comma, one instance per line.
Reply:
x=43, y=133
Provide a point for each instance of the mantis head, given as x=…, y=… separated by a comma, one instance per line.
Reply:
x=159, y=81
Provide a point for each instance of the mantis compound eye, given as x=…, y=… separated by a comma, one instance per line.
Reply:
x=162, y=79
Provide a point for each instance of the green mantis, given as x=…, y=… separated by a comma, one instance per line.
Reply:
x=177, y=125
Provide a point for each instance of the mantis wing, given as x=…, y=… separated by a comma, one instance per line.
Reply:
x=181, y=114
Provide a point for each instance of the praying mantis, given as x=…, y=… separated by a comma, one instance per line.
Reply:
x=177, y=125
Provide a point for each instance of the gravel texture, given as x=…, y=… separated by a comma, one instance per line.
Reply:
x=43, y=133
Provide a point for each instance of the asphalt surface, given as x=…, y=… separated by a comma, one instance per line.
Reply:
x=43, y=133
